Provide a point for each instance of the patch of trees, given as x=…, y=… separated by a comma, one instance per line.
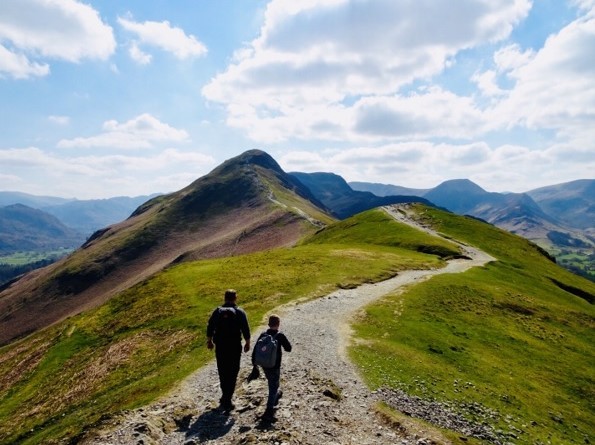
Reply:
x=564, y=239
x=10, y=271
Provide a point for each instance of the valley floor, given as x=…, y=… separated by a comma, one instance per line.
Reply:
x=324, y=400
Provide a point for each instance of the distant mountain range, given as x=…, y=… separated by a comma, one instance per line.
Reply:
x=23, y=228
x=84, y=216
x=555, y=217
x=561, y=215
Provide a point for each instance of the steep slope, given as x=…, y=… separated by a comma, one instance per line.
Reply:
x=24, y=228
x=334, y=192
x=245, y=205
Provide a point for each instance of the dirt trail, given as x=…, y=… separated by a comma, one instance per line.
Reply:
x=324, y=401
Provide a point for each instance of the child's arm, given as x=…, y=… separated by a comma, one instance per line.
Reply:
x=285, y=343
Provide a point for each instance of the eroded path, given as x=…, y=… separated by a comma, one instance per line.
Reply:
x=325, y=400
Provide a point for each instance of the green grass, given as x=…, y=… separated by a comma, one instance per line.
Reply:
x=507, y=336
x=23, y=258
x=59, y=382
x=368, y=228
x=504, y=336
x=579, y=261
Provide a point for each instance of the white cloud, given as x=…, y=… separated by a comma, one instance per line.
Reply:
x=138, y=55
x=554, y=88
x=140, y=132
x=588, y=5
x=429, y=113
x=165, y=171
x=59, y=120
x=487, y=82
x=163, y=36
x=313, y=60
x=23, y=156
x=19, y=66
x=425, y=164
x=511, y=58
x=57, y=29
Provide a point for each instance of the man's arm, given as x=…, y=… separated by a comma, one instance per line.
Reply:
x=245, y=328
x=211, y=329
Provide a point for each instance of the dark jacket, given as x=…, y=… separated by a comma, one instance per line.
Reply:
x=283, y=343
x=228, y=333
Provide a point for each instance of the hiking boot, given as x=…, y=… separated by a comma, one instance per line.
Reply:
x=227, y=406
x=269, y=415
x=279, y=395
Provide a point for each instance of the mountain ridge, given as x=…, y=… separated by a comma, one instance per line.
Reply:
x=26, y=228
x=336, y=194
x=82, y=215
x=520, y=312
x=226, y=212
x=567, y=208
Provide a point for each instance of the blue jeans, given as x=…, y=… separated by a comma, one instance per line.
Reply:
x=273, y=376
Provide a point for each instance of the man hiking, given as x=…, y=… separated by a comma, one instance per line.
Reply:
x=227, y=325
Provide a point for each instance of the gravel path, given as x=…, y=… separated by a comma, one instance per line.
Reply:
x=324, y=398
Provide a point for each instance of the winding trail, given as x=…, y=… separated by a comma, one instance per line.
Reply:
x=325, y=400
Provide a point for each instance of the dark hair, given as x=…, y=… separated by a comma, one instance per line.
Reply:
x=274, y=320
x=230, y=295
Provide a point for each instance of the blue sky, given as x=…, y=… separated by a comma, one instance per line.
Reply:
x=111, y=97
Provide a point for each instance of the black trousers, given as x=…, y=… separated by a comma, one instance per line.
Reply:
x=228, y=367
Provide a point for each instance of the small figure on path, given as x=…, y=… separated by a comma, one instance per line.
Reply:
x=268, y=353
x=227, y=325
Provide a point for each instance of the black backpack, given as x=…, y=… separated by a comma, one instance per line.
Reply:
x=265, y=350
x=228, y=325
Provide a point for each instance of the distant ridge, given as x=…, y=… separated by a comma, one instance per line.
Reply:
x=573, y=202
x=83, y=215
x=538, y=215
x=337, y=195
x=25, y=228
x=245, y=205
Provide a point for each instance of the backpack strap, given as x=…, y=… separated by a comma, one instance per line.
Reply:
x=227, y=309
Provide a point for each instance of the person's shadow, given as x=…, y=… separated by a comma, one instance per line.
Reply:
x=209, y=425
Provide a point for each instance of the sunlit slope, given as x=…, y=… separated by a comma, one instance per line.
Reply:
x=510, y=344
x=59, y=382
x=247, y=204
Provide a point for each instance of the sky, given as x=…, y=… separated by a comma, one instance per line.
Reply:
x=107, y=98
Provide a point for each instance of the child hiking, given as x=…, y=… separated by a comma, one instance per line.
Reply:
x=267, y=353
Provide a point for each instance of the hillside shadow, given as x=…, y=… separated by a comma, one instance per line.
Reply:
x=210, y=425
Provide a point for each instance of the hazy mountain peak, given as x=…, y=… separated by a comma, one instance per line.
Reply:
x=460, y=185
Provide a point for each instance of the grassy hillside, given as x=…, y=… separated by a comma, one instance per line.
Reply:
x=510, y=343
x=60, y=381
x=245, y=205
